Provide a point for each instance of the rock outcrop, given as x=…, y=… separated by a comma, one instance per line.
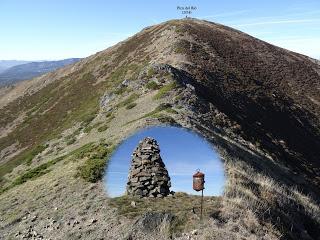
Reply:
x=148, y=176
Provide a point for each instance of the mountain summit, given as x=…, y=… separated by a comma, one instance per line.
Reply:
x=258, y=104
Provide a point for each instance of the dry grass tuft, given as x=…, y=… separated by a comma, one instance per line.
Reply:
x=256, y=204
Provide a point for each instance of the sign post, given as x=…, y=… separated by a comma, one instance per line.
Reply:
x=198, y=185
x=201, y=204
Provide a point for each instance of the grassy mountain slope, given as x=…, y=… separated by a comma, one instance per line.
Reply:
x=256, y=103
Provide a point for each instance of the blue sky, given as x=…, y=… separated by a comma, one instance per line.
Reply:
x=183, y=152
x=46, y=29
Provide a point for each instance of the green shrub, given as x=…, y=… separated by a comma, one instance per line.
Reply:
x=87, y=119
x=103, y=128
x=180, y=31
x=100, y=151
x=109, y=114
x=152, y=85
x=150, y=72
x=156, y=112
x=131, y=105
x=82, y=151
x=33, y=173
x=164, y=90
x=163, y=106
x=179, y=50
x=170, y=110
x=158, y=109
x=93, y=168
x=89, y=128
x=121, y=90
x=109, y=119
x=166, y=119
x=129, y=100
x=71, y=141
x=32, y=153
x=92, y=150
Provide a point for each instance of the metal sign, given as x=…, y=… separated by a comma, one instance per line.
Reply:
x=198, y=185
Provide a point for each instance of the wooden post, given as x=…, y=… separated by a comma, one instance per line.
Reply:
x=201, y=204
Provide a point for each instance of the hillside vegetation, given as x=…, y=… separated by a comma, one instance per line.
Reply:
x=256, y=103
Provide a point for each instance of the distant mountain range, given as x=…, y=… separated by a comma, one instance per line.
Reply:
x=15, y=71
x=5, y=64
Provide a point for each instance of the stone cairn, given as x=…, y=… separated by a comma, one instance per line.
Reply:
x=148, y=176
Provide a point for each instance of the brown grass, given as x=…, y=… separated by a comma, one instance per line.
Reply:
x=259, y=206
x=185, y=208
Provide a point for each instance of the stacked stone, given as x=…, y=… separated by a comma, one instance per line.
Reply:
x=148, y=176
